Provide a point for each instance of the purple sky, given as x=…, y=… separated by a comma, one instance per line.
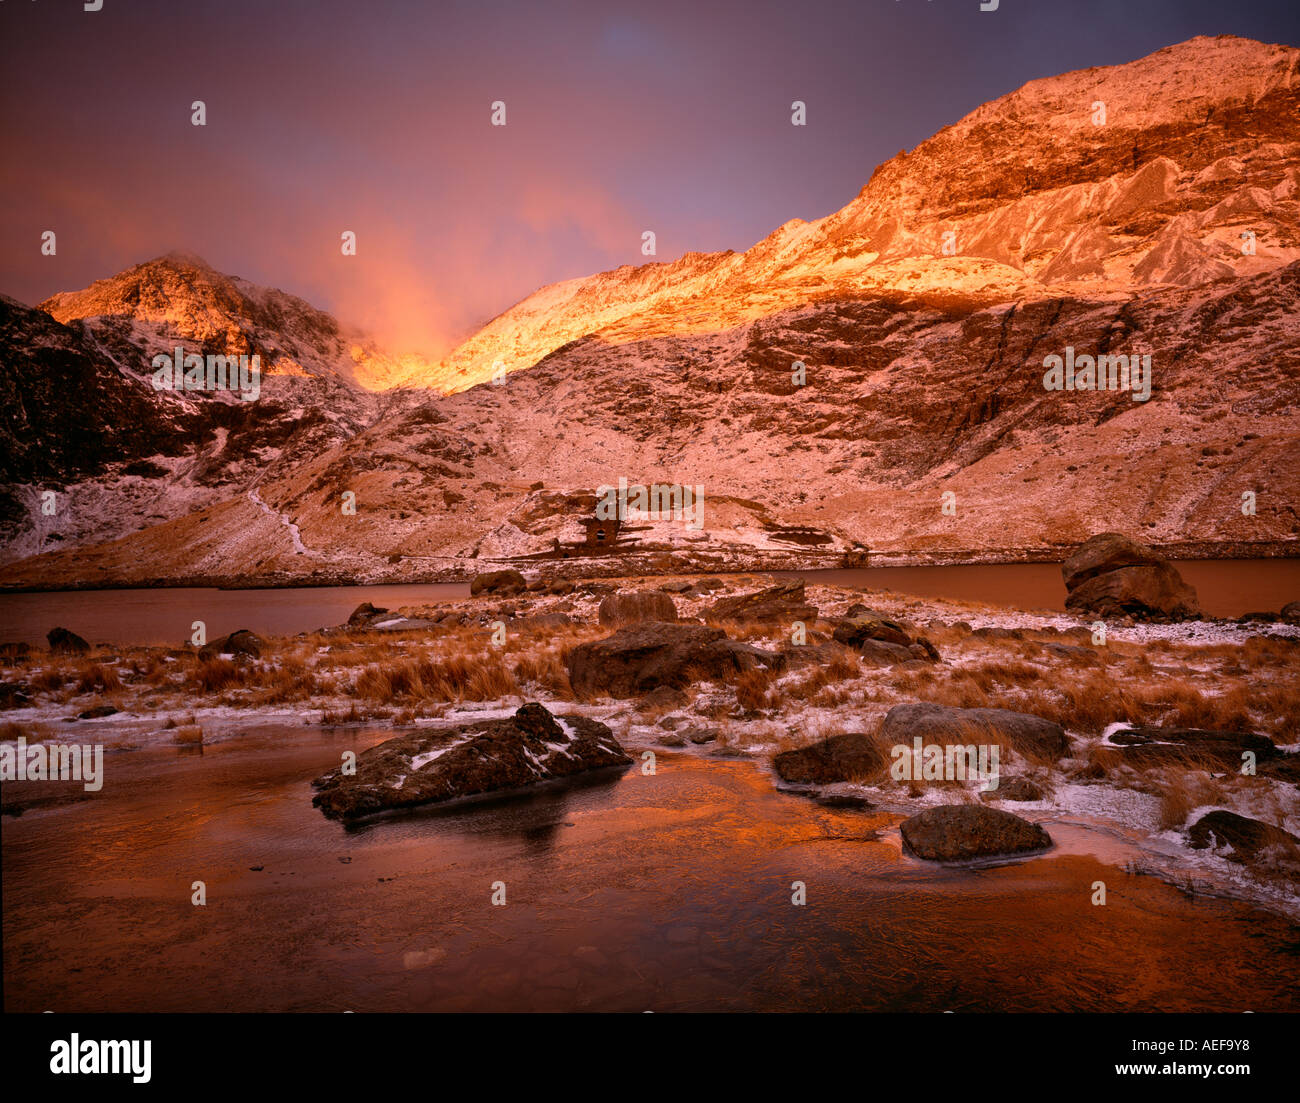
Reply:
x=326, y=116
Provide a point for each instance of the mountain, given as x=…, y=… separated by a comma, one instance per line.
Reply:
x=924, y=360
x=1198, y=144
x=80, y=414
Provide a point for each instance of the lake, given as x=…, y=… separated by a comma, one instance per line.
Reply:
x=1227, y=588
x=670, y=892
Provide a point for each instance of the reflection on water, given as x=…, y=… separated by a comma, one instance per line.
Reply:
x=1226, y=588
x=166, y=616
x=670, y=892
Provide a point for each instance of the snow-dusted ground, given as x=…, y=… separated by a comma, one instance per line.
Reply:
x=1109, y=815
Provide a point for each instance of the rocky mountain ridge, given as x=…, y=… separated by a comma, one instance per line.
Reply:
x=846, y=384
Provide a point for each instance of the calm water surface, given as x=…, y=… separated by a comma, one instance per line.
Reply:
x=632, y=893
x=1227, y=588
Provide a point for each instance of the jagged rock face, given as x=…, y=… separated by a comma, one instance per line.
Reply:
x=66, y=412
x=899, y=407
x=1198, y=143
x=923, y=372
x=181, y=299
x=469, y=760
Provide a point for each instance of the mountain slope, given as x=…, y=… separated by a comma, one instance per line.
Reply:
x=1199, y=144
x=923, y=373
x=80, y=415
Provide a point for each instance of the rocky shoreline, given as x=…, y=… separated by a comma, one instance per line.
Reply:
x=856, y=698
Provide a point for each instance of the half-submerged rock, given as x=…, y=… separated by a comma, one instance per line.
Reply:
x=851, y=757
x=953, y=832
x=481, y=757
x=1241, y=838
x=1113, y=576
x=502, y=583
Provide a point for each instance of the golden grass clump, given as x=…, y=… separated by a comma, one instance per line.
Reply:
x=98, y=678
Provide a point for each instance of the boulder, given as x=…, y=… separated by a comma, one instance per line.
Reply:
x=15, y=695
x=1016, y=788
x=485, y=756
x=97, y=713
x=953, y=832
x=1084, y=655
x=364, y=613
x=840, y=758
x=1243, y=837
x=942, y=725
x=855, y=631
x=641, y=657
x=994, y=633
x=924, y=649
x=375, y=618
x=1152, y=745
x=783, y=602
x=541, y=620
x=812, y=653
x=239, y=642
x=665, y=697
x=857, y=609
x=498, y=582
x=878, y=653
x=881, y=641
x=1112, y=576
x=632, y=608
x=1107, y=551
x=676, y=586
x=1291, y=612
x=63, y=642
